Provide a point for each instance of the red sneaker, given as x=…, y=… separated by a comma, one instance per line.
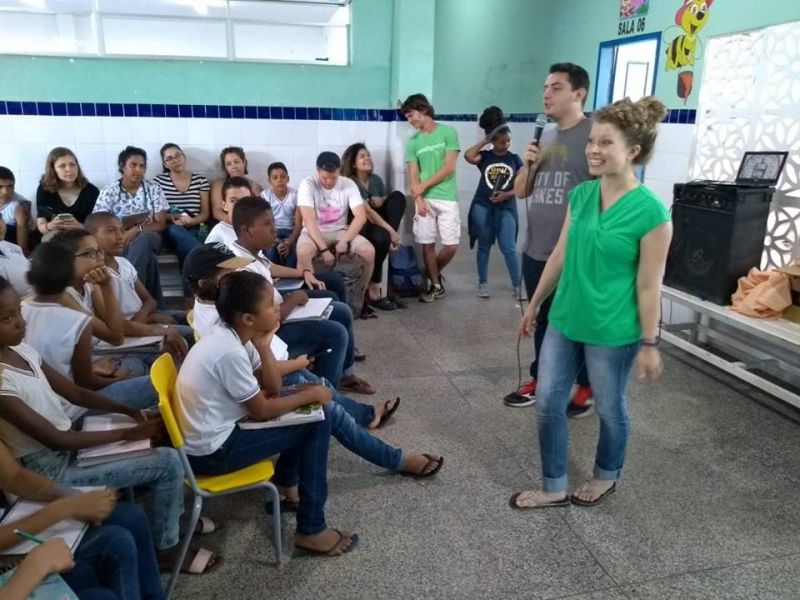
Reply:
x=524, y=396
x=583, y=396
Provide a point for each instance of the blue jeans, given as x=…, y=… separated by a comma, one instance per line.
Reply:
x=272, y=253
x=120, y=557
x=609, y=369
x=136, y=392
x=312, y=337
x=303, y=451
x=531, y=272
x=496, y=224
x=161, y=471
x=348, y=419
x=143, y=254
x=182, y=240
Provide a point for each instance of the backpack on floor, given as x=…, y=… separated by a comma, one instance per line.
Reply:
x=404, y=274
x=350, y=267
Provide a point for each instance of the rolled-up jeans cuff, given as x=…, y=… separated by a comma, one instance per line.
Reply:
x=557, y=484
x=603, y=475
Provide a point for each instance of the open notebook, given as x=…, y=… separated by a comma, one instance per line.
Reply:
x=147, y=343
x=304, y=414
x=98, y=455
x=70, y=530
x=315, y=309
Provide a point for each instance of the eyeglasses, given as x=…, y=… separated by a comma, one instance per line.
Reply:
x=173, y=158
x=94, y=253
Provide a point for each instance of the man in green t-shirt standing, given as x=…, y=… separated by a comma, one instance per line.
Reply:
x=431, y=156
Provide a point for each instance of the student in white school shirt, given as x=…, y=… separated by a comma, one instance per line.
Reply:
x=13, y=264
x=255, y=229
x=63, y=336
x=233, y=188
x=92, y=291
x=139, y=308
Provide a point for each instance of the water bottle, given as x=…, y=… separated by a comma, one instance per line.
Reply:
x=202, y=232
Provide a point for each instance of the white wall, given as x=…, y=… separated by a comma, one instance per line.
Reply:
x=98, y=140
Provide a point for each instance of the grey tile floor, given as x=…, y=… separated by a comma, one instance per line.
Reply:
x=708, y=507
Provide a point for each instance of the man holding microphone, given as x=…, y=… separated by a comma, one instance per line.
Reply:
x=554, y=165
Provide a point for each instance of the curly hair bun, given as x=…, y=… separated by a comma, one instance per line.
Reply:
x=491, y=119
x=653, y=110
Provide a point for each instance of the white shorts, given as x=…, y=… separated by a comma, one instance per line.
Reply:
x=443, y=216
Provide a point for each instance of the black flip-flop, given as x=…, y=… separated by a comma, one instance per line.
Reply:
x=359, y=356
x=367, y=312
x=512, y=502
x=328, y=552
x=287, y=506
x=575, y=500
x=387, y=414
x=431, y=460
x=383, y=304
x=398, y=302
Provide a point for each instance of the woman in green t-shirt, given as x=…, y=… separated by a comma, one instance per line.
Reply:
x=608, y=264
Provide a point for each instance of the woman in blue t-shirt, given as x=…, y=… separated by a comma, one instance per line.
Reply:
x=493, y=212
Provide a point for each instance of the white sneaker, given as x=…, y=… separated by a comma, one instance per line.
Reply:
x=483, y=290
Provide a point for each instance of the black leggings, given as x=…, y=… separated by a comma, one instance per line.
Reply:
x=392, y=211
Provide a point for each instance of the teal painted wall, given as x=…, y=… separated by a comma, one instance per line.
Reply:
x=362, y=84
x=491, y=52
x=579, y=27
x=413, y=36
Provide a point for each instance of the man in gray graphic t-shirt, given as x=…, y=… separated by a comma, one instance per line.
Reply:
x=558, y=163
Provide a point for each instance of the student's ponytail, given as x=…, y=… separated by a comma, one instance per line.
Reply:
x=237, y=293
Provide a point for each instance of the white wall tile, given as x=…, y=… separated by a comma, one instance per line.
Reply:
x=92, y=157
x=117, y=131
x=173, y=130
x=229, y=132
x=145, y=131
x=329, y=134
x=9, y=155
x=201, y=131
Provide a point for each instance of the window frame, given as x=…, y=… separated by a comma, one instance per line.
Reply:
x=96, y=24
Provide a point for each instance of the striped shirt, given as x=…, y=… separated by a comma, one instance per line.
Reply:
x=188, y=201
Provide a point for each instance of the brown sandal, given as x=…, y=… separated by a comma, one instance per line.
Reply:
x=356, y=385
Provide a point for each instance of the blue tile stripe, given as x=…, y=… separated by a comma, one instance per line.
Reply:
x=214, y=111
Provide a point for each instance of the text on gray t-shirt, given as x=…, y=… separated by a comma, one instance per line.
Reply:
x=563, y=167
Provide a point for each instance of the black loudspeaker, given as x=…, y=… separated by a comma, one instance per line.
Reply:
x=718, y=236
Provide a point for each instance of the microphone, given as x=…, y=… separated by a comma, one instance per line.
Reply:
x=499, y=182
x=541, y=121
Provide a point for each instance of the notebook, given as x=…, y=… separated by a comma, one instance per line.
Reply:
x=99, y=455
x=52, y=587
x=288, y=285
x=147, y=343
x=300, y=416
x=70, y=530
x=315, y=309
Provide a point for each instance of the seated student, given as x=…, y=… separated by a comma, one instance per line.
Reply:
x=221, y=382
x=324, y=201
x=234, y=164
x=13, y=264
x=116, y=552
x=231, y=190
x=235, y=188
x=282, y=199
x=64, y=197
x=93, y=292
x=39, y=433
x=134, y=197
x=187, y=196
x=63, y=336
x=138, y=307
x=384, y=214
x=349, y=419
x=15, y=212
x=252, y=221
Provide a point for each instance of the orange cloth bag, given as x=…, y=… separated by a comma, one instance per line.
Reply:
x=762, y=294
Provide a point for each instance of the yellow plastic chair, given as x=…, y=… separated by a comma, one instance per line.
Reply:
x=163, y=374
x=190, y=321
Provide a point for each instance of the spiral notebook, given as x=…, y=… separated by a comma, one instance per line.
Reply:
x=70, y=530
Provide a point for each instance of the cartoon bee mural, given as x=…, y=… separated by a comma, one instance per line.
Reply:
x=682, y=51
